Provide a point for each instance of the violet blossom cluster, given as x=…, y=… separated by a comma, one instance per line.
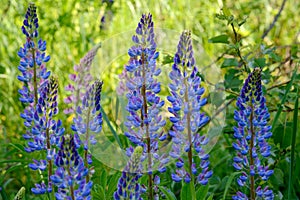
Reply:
x=88, y=120
x=70, y=175
x=145, y=122
x=39, y=94
x=32, y=59
x=128, y=185
x=251, y=136
x=46, y=134
x=186, y=99
x=81, y=81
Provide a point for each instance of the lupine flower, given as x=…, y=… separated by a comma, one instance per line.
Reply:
x=33, y=59
x=43, y=131
x=70, y=176
x=186, y=99
x=40, y=97
x=128, y=185
x=251, y=136
x=144, y=122
x=88, y=121
x=81, y=79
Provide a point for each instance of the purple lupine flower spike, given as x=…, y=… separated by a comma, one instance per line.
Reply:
x=70, y=174
x=43, y=131
x=186, y=99
x=144, y=123
x=40, y=98
x=251, y=136
x=33, y=58
x=88, y=121
x=128, y=185
x=81, y=78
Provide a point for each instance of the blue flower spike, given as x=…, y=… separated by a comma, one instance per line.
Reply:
x=186, y=101
x=251, y=134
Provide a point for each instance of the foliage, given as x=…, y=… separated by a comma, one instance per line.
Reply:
x=235, y=38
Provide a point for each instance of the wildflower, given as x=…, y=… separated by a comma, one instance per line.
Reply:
x=128, y=185
x=251, y=136
x=186, y=99
x=40, y=98
x=70, y=174
x=33, y=59
x=43, y=131
x=81, y=79
x=144, y=122
x=89, y=119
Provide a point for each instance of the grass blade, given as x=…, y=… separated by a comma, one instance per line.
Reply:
x=228, y=184
x=293, y=142
x=111, y=128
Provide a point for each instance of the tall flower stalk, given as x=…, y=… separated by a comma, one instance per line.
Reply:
x=128, y=185
x=186, y=99
x=81, y=81
x=33, y=59
x=88, y=121
x=40, y=97
x=70, y=174
x=251, y=136
x=144, y=122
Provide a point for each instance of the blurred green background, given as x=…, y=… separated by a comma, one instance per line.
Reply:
x=71, y=28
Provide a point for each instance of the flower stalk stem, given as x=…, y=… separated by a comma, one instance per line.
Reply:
x=86, y=165
x=148, y=140
x=34, y=77
x=71, y=186
x=190, y=153
x=252, y=186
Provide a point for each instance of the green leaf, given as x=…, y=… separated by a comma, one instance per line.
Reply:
x=167, y=59
x=232, y=80
x=280, y=107
x=259, y=62
x=168, y=194
x=103, y=178
x=275, y=57
x=210, y=197
x=115, y=134
x=219, y=39
x=186, y=191
x=228, y=184
x=283, y=134
x=112, y=184
x=217, y=98
x=98, y=192
x=230, y=62
x=277, y=177
x=202, y=192
x=3, y=194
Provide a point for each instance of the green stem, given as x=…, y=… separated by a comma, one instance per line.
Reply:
x=86, y=165
x=50, y=166
x=71, y=186
x=238, y=48
x=190, y=153
x=148, y=140
x=34, y=77
x=293, y=142
x=252, y=186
